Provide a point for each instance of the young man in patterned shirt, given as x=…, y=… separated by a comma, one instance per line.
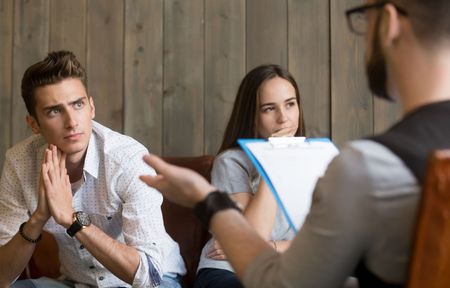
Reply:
x=78, y=180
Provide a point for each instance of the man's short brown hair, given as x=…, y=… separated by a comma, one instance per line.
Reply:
x=56, y=67
x=429, y=18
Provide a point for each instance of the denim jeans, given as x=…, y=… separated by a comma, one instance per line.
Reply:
x=44, y=282
x=41, y=283
x=216, y=278
x=169, y=281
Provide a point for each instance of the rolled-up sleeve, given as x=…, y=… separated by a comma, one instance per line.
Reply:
x=12, y=204
x=143, y=226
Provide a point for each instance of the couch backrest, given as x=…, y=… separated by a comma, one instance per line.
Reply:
x=181, y=223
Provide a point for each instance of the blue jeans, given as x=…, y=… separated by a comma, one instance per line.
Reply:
x=216, y=278
x=41, y=283
x=44, y=282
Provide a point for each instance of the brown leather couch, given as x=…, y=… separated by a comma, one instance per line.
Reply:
x=180, y=223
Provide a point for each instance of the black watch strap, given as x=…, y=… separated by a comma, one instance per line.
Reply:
x=213, y=203
x=74, y=228
x=80, y=220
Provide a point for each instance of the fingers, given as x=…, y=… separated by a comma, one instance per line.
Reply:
x=152, y=181
x=285, y=132
x=49, y=167
x=62, y=165
x=217, y=254
x=156, y=162
x=67, y=180
x=45, y=175
x=214, y=247
x=55, y=159
x=41, y=178
x=56, y=163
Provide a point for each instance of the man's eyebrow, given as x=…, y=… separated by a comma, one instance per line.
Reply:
x=78, y=100
x=61, y=105
x=52, y=107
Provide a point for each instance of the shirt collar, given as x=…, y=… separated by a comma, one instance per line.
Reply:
x=92, y=160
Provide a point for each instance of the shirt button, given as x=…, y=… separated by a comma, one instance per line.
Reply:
x=81, y=247
x=101, y=278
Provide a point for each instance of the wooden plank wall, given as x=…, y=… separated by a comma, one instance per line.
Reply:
x=166, y=71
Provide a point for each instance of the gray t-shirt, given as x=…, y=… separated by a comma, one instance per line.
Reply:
x=363, y=209
x=233, y=172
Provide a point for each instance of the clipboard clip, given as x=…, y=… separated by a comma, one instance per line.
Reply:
x=283, y=142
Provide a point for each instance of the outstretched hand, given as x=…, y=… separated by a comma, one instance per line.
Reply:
x=179, y=185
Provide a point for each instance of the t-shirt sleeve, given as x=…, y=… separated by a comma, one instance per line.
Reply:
x=230, y=174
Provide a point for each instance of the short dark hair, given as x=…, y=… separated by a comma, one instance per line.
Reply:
x=429, y=19
x=243, y=115
x=56, y=67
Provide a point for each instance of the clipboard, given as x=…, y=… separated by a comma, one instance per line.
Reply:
x=291, y=167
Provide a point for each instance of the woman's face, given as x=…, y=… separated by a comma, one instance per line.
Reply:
x=277, y=112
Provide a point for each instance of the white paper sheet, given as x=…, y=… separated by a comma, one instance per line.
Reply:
x=291, y=167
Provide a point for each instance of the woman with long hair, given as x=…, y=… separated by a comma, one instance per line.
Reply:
x=267, y=105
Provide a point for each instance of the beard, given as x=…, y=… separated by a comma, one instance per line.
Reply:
x=376, y=70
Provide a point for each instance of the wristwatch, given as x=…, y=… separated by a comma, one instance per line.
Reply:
x=80, y=221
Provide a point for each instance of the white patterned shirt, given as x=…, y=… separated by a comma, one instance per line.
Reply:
x=117, y=201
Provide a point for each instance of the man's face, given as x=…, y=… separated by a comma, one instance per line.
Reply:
x=64, y=116
x=376, y=70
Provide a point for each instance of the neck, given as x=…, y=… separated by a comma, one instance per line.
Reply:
x=422, y=78
x=74, y=166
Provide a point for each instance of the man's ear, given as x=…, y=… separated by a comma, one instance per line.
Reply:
x=33, y=124
x=91, y=103
x=390, y=28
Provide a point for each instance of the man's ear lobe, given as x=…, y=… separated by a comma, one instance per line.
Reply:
x=33, y=124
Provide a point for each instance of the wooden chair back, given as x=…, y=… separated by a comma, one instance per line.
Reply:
x=430, y=259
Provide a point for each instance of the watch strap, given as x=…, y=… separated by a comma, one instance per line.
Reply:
x=80, y=221
x=74, y=228
x=213, y=203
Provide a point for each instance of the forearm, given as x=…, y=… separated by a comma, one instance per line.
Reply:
x=240, y=242
x=122, y=260
x=261, y=210
x=15, y=255
x=261, y=216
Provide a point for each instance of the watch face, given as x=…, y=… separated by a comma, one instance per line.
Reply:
x=83, y=218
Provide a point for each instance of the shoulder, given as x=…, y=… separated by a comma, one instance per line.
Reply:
x=233, y=158
x=366, y=159
x=232, y=171
x=26, y=150
x=115, y=146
